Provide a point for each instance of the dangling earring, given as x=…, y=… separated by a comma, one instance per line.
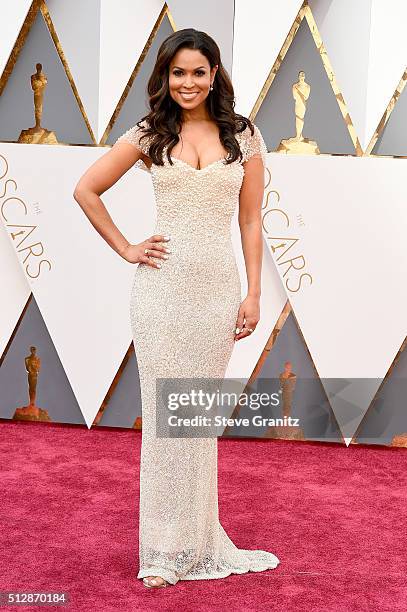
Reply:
x=211, y=87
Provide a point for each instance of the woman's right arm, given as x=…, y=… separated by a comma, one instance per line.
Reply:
x=99, y=177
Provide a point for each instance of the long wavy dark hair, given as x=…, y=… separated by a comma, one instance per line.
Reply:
x=163, y=123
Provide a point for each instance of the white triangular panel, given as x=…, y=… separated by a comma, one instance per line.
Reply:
x=344, y=27
x=339, y=239
x=81, y=286
x=260, y=28
x=388, y=58
x=13, y=15
x=15, y=290
x=124, y=30
x=367, y=47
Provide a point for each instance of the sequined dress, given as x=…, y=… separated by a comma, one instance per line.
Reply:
x=183, y=317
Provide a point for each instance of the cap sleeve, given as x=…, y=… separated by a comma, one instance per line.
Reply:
x=253, y=145
x=133, y=136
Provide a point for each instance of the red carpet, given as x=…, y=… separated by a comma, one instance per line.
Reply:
x=335, y=517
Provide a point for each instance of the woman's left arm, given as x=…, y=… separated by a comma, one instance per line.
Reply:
x=250, y=203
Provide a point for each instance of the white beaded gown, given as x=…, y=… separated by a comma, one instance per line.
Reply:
x=183, y=317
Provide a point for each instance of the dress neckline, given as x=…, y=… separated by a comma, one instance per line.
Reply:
x=181, y=161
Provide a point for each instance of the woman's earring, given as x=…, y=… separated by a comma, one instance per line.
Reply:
x=211, y=87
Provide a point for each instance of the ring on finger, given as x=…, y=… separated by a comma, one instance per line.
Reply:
x=146, y=251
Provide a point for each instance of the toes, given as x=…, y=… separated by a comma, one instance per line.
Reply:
x=154, y=580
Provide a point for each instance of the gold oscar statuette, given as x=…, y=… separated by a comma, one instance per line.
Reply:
x=31, y=412
x=299, y=144
x=288, y=380
x=38, y=134
x=400, y=440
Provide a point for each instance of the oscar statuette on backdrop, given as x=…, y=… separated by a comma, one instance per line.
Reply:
x=288, y=380
x=399, y=440
x=298, y=144
x=38, y=134
x=31, y=412
x=287, y=431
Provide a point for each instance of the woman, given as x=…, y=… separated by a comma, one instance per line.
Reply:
x=186, y=309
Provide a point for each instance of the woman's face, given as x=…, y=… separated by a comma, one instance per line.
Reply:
x=190, y=77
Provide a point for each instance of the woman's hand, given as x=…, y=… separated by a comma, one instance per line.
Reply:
x=135, y=253
x=248, y=317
